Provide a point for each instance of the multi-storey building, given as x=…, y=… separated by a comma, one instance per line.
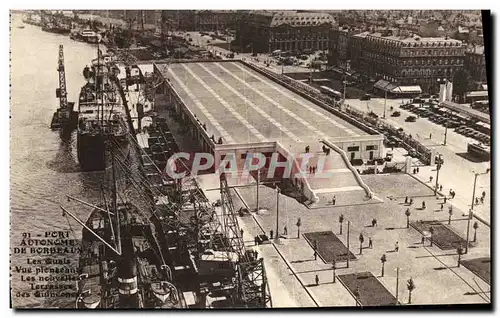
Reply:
x=338, y=46
x=215, y=20
x=292, y=31
x=475, y=64
x=406, y=59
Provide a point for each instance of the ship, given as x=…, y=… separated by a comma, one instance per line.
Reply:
x=121, y=264
x=56, y=28
x=86, y=35
x=101, y=115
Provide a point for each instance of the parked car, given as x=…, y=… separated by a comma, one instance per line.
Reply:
x=396, y=114
x=440, y=120
x=427, y=113
x=433, y=118
x=411, y=119
x=366, y=97
x=468, y=131
x=460, y=129
x=372, y=114
x=412, y=152
x=453, y=124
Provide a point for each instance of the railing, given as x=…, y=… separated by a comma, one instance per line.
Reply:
x=295, y=170
x=342, y=153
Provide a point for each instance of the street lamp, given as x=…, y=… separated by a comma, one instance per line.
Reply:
x=472, y=208
x=438, y=167
x=385, y=102
x=277, y=213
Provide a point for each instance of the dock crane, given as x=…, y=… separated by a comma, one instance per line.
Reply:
x=64, y=119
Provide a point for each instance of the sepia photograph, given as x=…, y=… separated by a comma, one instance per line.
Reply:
x=225, y=159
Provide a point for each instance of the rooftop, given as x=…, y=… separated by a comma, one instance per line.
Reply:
x=413, y=40
x=240, y=105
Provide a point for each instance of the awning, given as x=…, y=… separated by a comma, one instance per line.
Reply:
x=408, y=89
x=478, y=94
x=381, y=84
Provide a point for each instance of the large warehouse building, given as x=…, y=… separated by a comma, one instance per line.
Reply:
x=230, y=107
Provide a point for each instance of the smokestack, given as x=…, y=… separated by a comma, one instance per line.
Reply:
x=127, y=276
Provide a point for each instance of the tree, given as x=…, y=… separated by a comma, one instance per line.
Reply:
x=461, y=82
x=356, y=295
x=410, y=285
x=431, y=230
x=407, y=213
x=450, y=212
x=383, y=259
x=299, y=223
x=334, y=267
x=361, y=240
x=460, y=252
x=341, y=219
x=475, y=226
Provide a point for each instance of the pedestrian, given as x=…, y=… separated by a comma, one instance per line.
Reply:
x=370, y=242
x=271, y=234
x=451, y=190
x=441, y=188
x=256, y=254
x=423, y=240
x=241, y=232
x=317, y=280
x=418, y=169
x=442, y=206
x=414, y=171
x=285, y=230
x=406, y=200
x=482, y=200
x=314, y=169
x=453, y=195
x=310, y=170
x=396, y=247
x=445, y=198
x=423, y=205
x=430, y=136
x=315, y=255
x=374, y=222
x=477, y=201
x=430, y=179
x=411, y=201
x=307, y=149
x=334, y=199
x=256, y=240
x=483, y=195
x=323, y=148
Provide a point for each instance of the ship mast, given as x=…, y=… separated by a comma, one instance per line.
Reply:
x=115, y=206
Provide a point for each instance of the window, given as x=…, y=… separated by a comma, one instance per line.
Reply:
x=354, y=148
x=372, y=147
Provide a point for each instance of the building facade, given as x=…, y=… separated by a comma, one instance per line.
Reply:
x=475, y=64
x=406, y=59
x=291, y=31
x=339, y=47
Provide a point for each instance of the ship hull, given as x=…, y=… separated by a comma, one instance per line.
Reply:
x=56, y=30
x=92, y=151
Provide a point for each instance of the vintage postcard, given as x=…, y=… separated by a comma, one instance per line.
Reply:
x=179, y=159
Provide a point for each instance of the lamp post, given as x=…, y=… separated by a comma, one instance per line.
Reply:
x=348, y=228
x=385, y=102
x=472, y=208
x=277, y=213
x=397, y=285
x=438, y=167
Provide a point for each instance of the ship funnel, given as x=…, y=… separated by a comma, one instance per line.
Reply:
x=127, y=276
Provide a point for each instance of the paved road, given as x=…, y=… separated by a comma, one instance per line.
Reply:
x=457, y=172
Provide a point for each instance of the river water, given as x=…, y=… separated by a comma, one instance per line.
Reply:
x=43, y=170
